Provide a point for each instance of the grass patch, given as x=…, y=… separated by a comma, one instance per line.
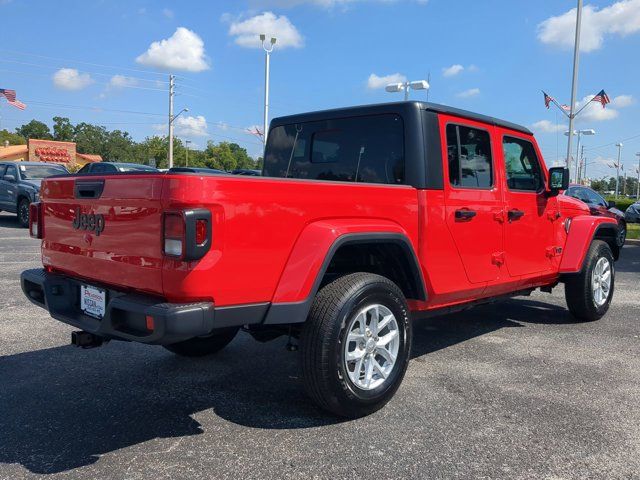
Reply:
x=633, y=230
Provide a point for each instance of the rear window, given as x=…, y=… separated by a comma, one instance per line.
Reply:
x=366, y=149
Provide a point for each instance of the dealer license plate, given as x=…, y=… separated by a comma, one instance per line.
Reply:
x=93, y=301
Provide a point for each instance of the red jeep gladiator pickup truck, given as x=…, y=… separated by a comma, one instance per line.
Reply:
x=363, y=219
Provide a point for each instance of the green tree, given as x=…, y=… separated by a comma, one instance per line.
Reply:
x=91, y=139
x=35, y=129
x=12, y=138
x=62, y=129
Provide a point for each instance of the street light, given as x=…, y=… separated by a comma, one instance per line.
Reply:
x=186, y=154
x=579, y=133
x=619, y=145
x=267, y=50
x=638, y=172
x=405, y=86
x=172, y=119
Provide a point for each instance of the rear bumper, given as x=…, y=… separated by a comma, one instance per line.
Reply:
x=126, y=314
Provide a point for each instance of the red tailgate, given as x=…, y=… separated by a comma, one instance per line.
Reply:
x=119, y=240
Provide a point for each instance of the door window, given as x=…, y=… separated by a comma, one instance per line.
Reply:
x=2, y=170
x=11, y=170
x=469, y=157
x=522, y=165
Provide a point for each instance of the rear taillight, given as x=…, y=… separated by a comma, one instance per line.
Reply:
x=187, y=234
x=173, y=234
x=35, y=220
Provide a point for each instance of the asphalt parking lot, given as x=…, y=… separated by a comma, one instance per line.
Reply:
x=516, y=390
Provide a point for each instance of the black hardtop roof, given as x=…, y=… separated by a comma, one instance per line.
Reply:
x=390, y=107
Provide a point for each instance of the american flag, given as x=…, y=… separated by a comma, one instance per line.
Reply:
x=547, y=100
x=601, y=97
x=566, y=108
x=10, y=95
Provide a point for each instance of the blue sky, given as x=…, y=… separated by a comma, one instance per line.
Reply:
x=95, y=60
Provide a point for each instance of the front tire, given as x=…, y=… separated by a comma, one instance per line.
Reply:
x=356, y=344
x=23, y=213
x=201, y=346
x=622, y=235
x=589, y=293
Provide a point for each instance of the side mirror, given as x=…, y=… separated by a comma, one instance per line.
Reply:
x=558, y=179
x=611, y=204
x=9, y=178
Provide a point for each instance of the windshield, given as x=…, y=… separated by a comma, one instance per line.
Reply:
x=136, y=168
x=36, y=172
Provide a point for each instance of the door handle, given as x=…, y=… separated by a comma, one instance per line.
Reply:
x=465, y=214
x=514, y=214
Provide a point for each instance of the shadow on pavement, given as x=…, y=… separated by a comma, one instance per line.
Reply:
x=9, y=221
x=62, y=407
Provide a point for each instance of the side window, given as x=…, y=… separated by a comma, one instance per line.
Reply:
x=594, y=198
x=469, y=157
x=522, y=165
x=11, y=170
x=358, y=149
x=3, y=168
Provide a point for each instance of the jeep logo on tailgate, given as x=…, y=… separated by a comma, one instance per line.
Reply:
x=88, y=221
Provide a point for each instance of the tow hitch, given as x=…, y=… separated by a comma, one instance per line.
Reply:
x=86, y=340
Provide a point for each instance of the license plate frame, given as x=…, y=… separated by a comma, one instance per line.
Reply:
x=93, y=301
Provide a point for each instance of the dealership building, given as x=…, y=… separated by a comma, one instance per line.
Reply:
x=48, y=151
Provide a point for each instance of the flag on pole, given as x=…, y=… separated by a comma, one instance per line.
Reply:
x=566, y=108
x=547, y=99
x=10, y=95
x=601, y=97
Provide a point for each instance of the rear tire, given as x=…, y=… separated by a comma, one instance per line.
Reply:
x=23, y=212
x=589, y=293
x=352, y=361
x=622, y=235
x=201, y=346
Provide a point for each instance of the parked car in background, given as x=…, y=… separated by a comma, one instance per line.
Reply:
x=197, y=170
x=20, y=185
x=599, y=206
x=632, y=214
x=115, y=167
x=246, y=171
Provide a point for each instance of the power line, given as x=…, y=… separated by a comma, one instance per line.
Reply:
x=93, y=108
x=58, y=59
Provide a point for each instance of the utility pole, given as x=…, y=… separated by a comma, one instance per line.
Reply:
x=186, y=153
x=172, y=80
x=574, y=82
x=619, y=145
x=267, y=50
x=638, y=185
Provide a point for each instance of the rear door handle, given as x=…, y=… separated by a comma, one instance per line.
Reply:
x=515, y=214
x=465, y=214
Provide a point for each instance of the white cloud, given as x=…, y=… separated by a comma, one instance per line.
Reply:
x=622, y=101
x=621, y=18
x=168, y=13
x=453, y=70
x=472, y=92
x=547, y=126
x=594, y=112
x=191, y=126
x=184, y=50
x=328, y=4
x=246, y=32
x=120, y=81
x=71, y=79
x=375, y=82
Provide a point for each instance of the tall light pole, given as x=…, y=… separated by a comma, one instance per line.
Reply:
x=186, y=153
x=267, y=50
x=172, y=80
x=574, y=82
x=619, y=145
x=638, y=172
x=172, y=119
x=579, y=133
x=405, y=86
